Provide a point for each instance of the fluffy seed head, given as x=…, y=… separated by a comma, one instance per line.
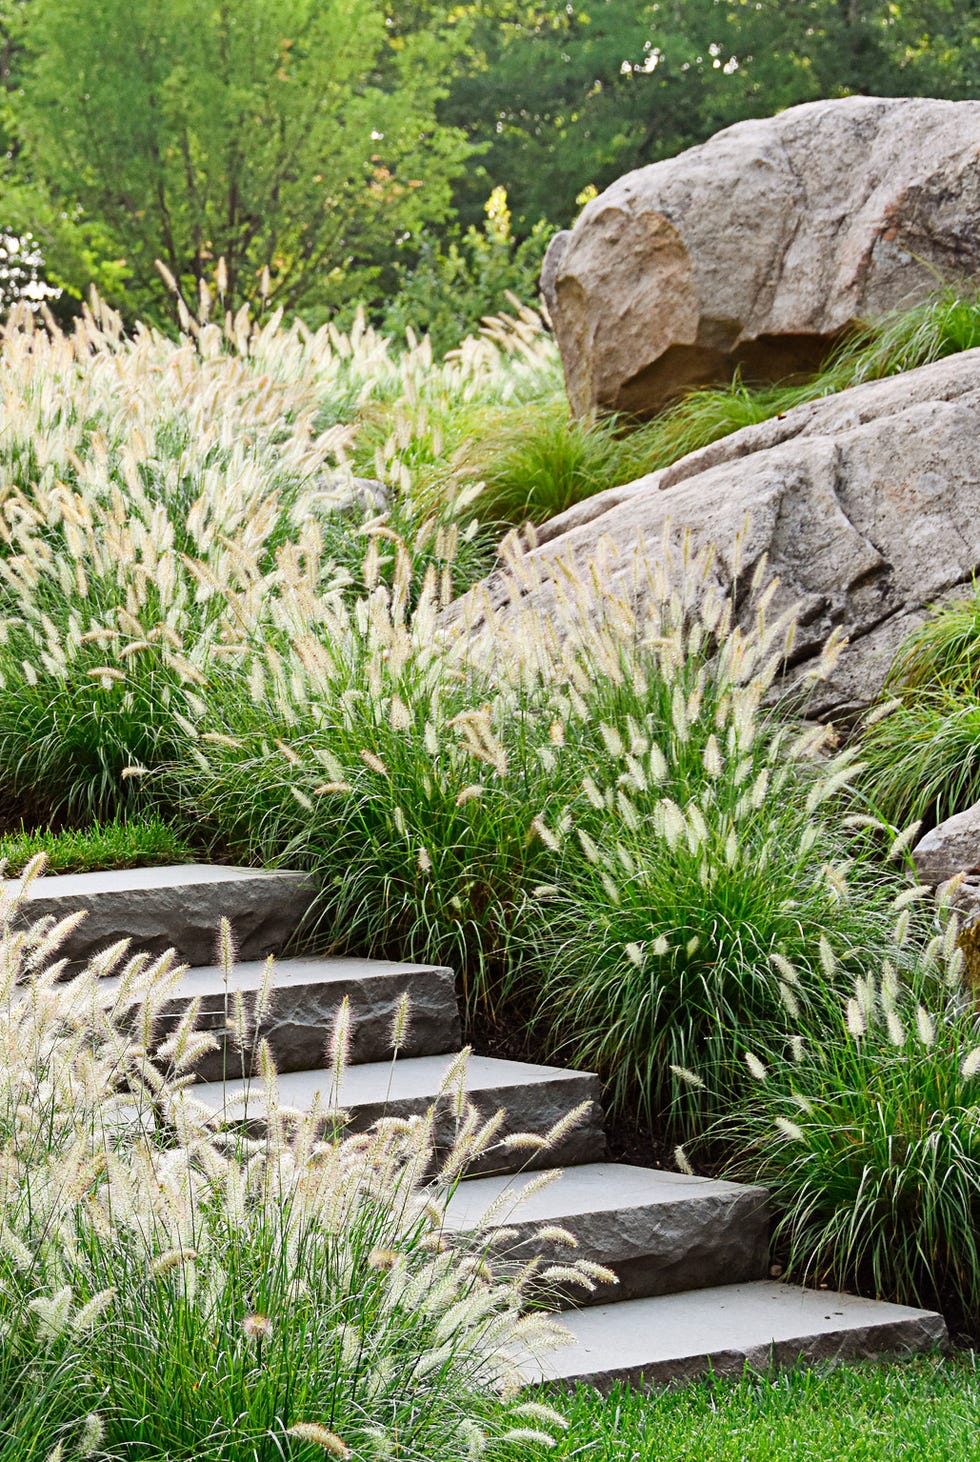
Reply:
x=320, y=1436
x=257, y=1327
x=690, y=1078
x=971, y=1063
x=92, y=1434
x=856, y=1022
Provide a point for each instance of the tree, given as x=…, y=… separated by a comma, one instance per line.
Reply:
x=450, y=284
x=22, y=277
x=294, y=134
x=563, y=97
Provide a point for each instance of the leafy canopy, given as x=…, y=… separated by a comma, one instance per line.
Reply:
x=298, y=134
x=563, y=96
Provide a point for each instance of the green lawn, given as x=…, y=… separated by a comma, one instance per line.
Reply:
x=143, y=844
x=927, y=1410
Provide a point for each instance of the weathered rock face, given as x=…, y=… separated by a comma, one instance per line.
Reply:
x=660, y=1232
x=866, y=504
x=177, y=908
x=758, y=247
x=307, y=995
x=951, y=848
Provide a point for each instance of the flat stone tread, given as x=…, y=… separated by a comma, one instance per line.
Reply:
x=592, y=1188
x=412, y=1079
x=174, y=875
x=247, y=975
x=739, y=1319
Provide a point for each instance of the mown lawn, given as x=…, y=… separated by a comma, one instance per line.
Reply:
x=145, y=843
x=927, y=1409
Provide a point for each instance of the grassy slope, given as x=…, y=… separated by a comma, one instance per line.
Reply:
x=926, y=1409
x=534, y=462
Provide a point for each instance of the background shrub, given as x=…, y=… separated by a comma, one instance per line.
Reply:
x=453, y=282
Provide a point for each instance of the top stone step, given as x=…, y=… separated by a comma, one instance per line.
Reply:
x=176, y=907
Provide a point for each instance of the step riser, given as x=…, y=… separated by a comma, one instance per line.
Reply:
x=697, y=1245
x=877, y=1342
x=265, y=910
x=299, y=1026
x=660, y=1232
x=532, y=1107
x=585, y=1144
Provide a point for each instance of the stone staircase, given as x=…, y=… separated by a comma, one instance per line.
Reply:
x=691, y=1254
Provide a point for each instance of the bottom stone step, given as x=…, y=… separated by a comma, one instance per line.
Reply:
x=533, y=1099
x=659, y=1231
x=680, y=1336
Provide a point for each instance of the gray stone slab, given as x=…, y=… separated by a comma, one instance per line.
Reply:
x=533, y=1098
x=680, y=1336
x=175, y=908
x=661, y=1232
x=307, y=995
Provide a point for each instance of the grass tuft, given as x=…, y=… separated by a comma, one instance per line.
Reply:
x=597, y=824
x=922, y=743
x=867, y=1138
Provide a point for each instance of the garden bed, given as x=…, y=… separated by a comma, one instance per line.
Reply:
x=633, y=856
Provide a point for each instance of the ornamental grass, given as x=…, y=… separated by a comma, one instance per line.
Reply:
x=867, y=1135
x=172, y=1288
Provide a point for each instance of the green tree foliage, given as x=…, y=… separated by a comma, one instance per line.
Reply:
x=298, y=134
x=565, y=96
x=455, y=281
x=21, y=259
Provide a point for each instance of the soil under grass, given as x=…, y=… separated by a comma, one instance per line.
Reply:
x=925, y=1409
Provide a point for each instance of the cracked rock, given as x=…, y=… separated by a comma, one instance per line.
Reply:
x=177, y=908
x=866, y=505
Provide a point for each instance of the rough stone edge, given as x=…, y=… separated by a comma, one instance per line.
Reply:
x=913, y=1334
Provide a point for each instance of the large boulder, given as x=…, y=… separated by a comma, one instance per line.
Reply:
x=866, y=506
x=759, y=247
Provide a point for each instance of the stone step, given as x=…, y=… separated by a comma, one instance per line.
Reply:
x=533, y=1099
x=307, y=993
x=660, y=1232
x=175, y=907
x=679, y=1336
